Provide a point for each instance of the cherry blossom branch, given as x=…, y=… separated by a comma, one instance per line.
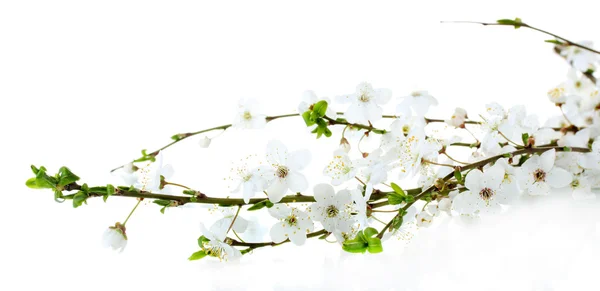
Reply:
x=481, y=164
x=517, y=23
x=271, y=244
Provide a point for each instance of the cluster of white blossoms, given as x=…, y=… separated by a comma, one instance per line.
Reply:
x=511, y=154
x=391, y=174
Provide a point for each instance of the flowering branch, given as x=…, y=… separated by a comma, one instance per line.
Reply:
x=507, y=155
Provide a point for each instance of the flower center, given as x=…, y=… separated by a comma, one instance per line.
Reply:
x=486, y=194
x=282, y=171
x=332, y=211
x=539, y=175
x=575, y=184
x=292, y=220
x=247, y=115
x=416, y=94
x=364, y=97
x=247, y=178
x=405, y=129
x=214, y=250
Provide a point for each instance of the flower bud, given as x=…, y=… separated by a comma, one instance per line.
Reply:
x=204, y=142
x=345, y=145
x=115, y=237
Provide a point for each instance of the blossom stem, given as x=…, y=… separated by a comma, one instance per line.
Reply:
x=521, y=24
x=454, y=160
x=234, y=218
x=178, y=185
x=132, y=210
x=272, y=244
x=438, y=164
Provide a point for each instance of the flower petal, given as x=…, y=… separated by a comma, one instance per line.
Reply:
x=298, y=160
x=547, y=159
x=558, y=178
x=323, y=192
x=278, y=233
x=298, y=237
x=473, y=180
x=277, y=190
x=297, y=182
x=277, y=153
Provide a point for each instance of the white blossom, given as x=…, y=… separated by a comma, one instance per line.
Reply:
x=285, y=170
x=204, y=142
x=216, y=245
x=458, y=118
x=309, y=98
x=538, y=174
x=114, y=237
x=418, y=101
x=365, y=103
x=483, y=191
x=247, y=116
x=293, y=224
x=334, y=211
x=341, y=168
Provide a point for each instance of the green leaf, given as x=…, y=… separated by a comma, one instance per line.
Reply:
x=397, y=189
x=410, y=199
x=162, y=202
x=66, y=177
x=525, y=138
x=355, y=246
x=197, y=256
x=397, y=222
x=110, y=190
x=365, y=240
x=261, y=205
x=189, y=192
x=201, y=241
x=395, y=198
x=327, y=132
x=554, y=41
x=458, y=175
x=45, y=181
x=306, y=116
x=320, y=108
x=79, y=198
x=516, y=22
x=32, y=183
x=566, y=149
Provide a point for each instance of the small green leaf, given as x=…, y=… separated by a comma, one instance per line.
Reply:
x=457, y=175
x=410, y=199
x=396, y=222
x=395, y=198
x=554, y=41
x=325, y=235
x=516, y=22
x=79, y=198
x=162, y=202
x=202, y=240
x=189, y=192
x=397, y=189
x=176, y=137
x=31, y=183
x=320, y=108
x=257, y=206
x=306, y=116
x=66, y=177
x=110, y=190
x=197, y=256
x=525, y=138
x=566, y=149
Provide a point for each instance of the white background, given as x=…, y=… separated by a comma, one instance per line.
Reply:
x=88, y=84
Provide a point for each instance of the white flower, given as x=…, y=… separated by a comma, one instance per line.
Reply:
x=557, y=95
x=365, y=104
x=458, y=118
x=418, y=101
x=376, y=167
x=222, y=225
x=581, y=187
x=341, y=169
x=247, y=116
x=114, y=237
x=406, y=231
x=216, y=246
x=204, y=142
x=334, y=211
x=539, y=174
x=250, y=181
x=591, y=160
x=445, y=205
x=309, y=98
x=509, y=190
x=286, y=169
x=484, y=189
x=148, y=177
x=294, y=224
x=424, y=219
x=411, y=153
x=580, y=59
x=427, y=180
